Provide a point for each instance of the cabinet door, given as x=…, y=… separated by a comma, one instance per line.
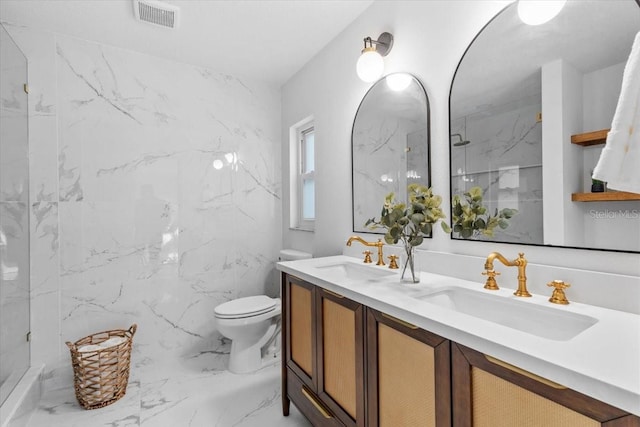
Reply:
x=299, y=340
x=340, y=356
x=408, y=374
x=490, y=393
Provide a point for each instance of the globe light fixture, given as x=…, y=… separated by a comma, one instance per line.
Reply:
x=370, y=65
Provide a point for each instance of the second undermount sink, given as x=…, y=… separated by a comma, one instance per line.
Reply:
x=544, y=322
x=355, y=272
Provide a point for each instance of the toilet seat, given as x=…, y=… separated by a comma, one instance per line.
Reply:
x=245, y=307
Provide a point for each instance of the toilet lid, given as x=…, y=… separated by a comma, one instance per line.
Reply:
x=245, y=307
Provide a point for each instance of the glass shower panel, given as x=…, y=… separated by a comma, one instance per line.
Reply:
x=14, y=216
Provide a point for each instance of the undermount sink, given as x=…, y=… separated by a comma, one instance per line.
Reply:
x=544, y=322
x=356, y=272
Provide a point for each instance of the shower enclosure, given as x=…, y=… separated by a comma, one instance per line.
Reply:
x=14, y=216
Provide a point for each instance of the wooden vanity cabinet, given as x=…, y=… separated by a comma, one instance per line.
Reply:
x=347, y=365
x=323, y=363
x=490, y=393
x=408, y=374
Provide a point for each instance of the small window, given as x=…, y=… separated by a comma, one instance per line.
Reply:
x=303, y=195
x=307, y=167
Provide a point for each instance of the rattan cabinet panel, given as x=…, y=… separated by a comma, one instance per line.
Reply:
x=340, y=336
x=408, y=380
x=490, y=393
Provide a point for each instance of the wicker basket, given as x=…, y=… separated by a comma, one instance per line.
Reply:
x=100, y=375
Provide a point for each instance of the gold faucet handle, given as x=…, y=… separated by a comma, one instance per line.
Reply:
x=393, y=261
x=367, y=257
x=491, y=283
x=558, y=296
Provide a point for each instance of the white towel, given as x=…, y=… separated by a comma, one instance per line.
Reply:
x=89, y=347
x=619, y=163
x=113, y=341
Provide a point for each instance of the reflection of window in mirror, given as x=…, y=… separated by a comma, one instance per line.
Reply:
x=302, y=165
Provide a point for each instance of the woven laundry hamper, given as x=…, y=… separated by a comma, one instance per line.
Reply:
x=101, y=366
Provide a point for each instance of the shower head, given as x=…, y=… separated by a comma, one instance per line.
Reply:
x=460, y=143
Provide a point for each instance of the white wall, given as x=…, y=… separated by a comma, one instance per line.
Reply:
x=429, y=43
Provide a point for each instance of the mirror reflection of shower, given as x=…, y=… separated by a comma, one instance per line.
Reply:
x=457, y=140
x=461, y=142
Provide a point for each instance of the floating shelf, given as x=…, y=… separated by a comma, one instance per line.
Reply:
x=590, y=138
x=607, y=196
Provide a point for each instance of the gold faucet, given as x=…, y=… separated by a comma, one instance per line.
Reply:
x=519, y=262
x=377, y=244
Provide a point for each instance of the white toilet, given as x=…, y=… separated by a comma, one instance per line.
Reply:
x=251, y=323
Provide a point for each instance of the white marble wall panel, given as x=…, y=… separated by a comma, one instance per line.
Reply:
x=169, y=197
x=156, y=197
x=45, y=263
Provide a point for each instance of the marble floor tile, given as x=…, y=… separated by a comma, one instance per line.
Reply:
x=175, y=397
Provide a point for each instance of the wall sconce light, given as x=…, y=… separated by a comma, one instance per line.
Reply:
x=536, y=12
x=370, y=64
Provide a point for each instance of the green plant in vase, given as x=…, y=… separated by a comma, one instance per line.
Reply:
x=409, y=223
x=471, y=218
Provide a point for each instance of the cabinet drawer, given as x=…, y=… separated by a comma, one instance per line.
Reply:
x=308, y=403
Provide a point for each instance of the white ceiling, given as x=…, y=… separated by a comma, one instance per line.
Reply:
x=268, y=40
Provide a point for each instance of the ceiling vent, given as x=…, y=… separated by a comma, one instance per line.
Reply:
x=157, y=12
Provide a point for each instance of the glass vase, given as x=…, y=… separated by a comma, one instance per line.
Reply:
x=410, y=270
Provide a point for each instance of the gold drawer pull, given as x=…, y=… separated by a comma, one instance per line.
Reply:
x=315, y=403
x=332, y=293
x=402, y=322
x=525, y=373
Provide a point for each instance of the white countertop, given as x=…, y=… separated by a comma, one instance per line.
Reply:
x=602, y=361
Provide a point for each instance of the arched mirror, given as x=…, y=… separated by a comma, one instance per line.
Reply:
x=519, y=95
x=390, y=144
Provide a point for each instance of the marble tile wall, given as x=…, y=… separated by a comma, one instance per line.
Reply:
x=155, y=197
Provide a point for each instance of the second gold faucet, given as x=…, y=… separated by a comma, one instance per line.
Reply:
x=519, y=262
x=379, y=244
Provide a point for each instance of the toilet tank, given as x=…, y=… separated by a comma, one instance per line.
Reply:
x=293, y=255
